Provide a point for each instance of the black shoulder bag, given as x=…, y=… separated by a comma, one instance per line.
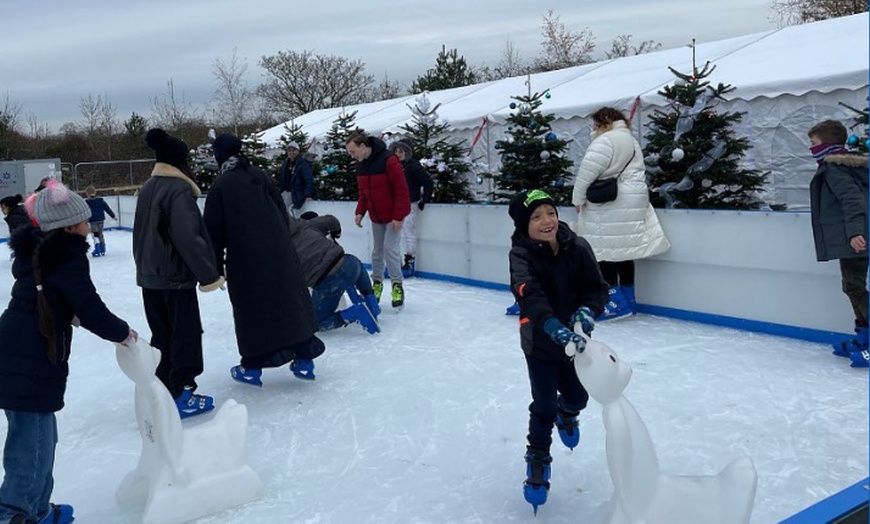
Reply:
x=602, y=191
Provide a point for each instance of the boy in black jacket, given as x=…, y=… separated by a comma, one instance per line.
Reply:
x=556, y=282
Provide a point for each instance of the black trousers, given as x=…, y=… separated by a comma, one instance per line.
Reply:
x=618, y=273
x=854, y=273
x=176, y=330
x=555, y=386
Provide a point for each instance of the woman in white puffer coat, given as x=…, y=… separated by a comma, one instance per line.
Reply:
x=625, y=229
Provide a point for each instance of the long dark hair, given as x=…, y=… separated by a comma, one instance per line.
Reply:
x=43, y=309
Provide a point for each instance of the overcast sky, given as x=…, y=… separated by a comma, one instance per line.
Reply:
x=54, y=53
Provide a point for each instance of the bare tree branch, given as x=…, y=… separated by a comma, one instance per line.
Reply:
x=792, y=12
x=563, y=48
x=232, y=98
x=299, y=82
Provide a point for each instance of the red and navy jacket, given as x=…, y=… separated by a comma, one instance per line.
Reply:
x=383, y=191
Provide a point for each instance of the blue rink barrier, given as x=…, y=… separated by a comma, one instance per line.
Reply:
x=849, y=506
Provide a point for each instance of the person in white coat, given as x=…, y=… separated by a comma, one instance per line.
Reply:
x=626, y=228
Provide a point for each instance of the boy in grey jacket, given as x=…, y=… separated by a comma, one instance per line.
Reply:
x=838, y=200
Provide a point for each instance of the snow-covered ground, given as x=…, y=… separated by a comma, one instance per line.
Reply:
x=426, y=421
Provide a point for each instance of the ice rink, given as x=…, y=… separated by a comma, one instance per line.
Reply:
x=426, y=421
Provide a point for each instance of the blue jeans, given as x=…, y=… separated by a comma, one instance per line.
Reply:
x=326, y=295
x=549, y=380
x=28, y=462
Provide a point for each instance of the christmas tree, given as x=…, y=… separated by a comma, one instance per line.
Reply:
x=532, y=155
x=293, y=133
x=858, y=141
x=445, y=160
x=338, y=180
x=253, y=148
x=692, y=155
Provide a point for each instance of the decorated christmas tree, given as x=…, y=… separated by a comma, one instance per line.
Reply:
x=445, y=159
x=858, y=141
x=293, y=133
x=532, y=155
x=692, y=155
x=338, y=179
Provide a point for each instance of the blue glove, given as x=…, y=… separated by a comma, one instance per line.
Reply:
x=562, y=335
x=586, y=319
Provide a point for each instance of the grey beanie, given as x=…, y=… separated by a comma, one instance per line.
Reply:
x=56, y=207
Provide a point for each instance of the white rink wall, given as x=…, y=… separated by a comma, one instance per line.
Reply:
x=757, y=266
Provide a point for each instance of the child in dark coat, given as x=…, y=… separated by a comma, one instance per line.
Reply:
x=99, y=210
x=52, y=292
x=557, y=283
x=838, y=201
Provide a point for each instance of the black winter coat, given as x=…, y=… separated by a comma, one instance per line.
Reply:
x=838, y=200
x=248, y=225
x=28, y=379
x=547, y=285
x=170, y=243
x=16, y=218
x=419, y=181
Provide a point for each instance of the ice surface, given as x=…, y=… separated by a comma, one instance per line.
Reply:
x=426, y=421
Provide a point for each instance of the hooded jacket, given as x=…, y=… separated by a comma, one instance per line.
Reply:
x=29, y=381
x=383, y=191
x=838, y=201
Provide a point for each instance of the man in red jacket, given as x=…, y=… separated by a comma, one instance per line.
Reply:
x=383, y=193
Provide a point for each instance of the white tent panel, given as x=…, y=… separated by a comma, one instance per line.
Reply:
x=822, y=56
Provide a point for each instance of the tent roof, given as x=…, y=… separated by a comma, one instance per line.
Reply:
x=820, y=56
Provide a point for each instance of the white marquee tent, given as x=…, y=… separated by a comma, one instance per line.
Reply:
x=785, y=80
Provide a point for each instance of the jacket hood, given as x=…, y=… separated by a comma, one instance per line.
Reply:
x=848, y=160
x=25, y=239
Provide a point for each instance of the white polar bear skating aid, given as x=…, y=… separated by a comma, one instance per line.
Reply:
x=642, y=494
x=183, y=473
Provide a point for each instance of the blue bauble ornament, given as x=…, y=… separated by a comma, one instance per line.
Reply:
x=513, y=105
x=867, y=143
x=550, y=136
x=853, y=140
x=330, y=169
x=559, y=184
x=479, y=180
x=547, y=95
x=532, y=123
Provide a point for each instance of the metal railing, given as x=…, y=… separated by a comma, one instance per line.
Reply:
x=75, y=170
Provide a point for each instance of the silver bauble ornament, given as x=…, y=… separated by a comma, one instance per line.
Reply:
x=677, y=154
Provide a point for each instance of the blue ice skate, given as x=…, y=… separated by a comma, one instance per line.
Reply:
x=190, y=404
x=303, y=368
x=537, y=483
x=513, y=310
x=616, y=306
x=360, y=314
x=860, y=359
x=247, y=375
x=569, y=427
x=58, y=514
x=845, y=348
x=372, y=303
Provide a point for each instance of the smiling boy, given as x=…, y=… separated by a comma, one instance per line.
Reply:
x=557, y=283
